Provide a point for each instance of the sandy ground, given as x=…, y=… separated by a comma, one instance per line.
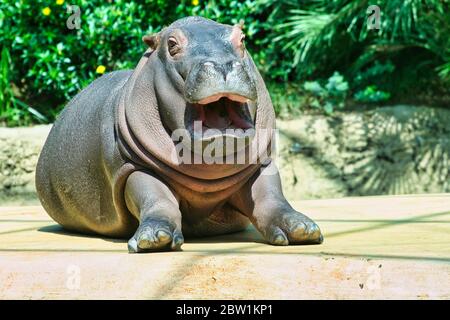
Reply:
x=375, y=247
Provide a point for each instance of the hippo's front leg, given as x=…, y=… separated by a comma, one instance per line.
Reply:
x=262, y=200
x=157, y=208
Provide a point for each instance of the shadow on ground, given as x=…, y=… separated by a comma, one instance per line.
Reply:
x=249, y=235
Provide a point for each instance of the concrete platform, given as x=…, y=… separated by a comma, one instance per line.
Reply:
x=375, y=247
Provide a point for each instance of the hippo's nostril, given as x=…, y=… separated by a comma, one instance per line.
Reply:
x=208, y=64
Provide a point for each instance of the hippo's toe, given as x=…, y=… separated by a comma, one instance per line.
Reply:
x=293, y=228
x=155, y=235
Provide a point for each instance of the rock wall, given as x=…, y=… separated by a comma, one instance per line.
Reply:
x=19, y=151
x=390, y=150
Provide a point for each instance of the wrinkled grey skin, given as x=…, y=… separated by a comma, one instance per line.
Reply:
x=105, y=170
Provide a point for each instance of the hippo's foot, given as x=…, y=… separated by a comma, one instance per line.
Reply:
x=292, y=228
x=155, y=235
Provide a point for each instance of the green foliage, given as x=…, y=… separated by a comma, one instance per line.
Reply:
x=321, y=36
x=329, y=97
x=372, y=94
x=444, y=71
x=375, y=71
x=12, y=110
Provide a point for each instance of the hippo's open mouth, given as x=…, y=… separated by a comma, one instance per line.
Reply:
x=223, y=111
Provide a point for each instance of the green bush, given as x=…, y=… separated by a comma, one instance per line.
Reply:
x=11, y=108
x=329, y=97
x=372, y=94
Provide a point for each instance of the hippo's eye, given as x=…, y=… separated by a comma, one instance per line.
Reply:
x=173, y=46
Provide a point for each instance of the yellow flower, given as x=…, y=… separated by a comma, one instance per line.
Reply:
x=59, y=2
x=195, y=2
x=46, y=11
x=100, y=69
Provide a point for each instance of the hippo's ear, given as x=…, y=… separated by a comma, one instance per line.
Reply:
x=237, y=37
x=152, y=40
x=240, y=25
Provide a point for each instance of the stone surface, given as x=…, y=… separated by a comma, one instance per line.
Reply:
x=385, y=247
x=389, y=150
x=19, y=151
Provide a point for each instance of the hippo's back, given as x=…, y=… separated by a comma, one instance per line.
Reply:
x=72, y=178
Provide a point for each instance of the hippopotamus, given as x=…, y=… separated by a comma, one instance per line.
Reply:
x=111, y=167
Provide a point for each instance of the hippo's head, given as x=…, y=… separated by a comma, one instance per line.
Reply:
x=202, y=72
